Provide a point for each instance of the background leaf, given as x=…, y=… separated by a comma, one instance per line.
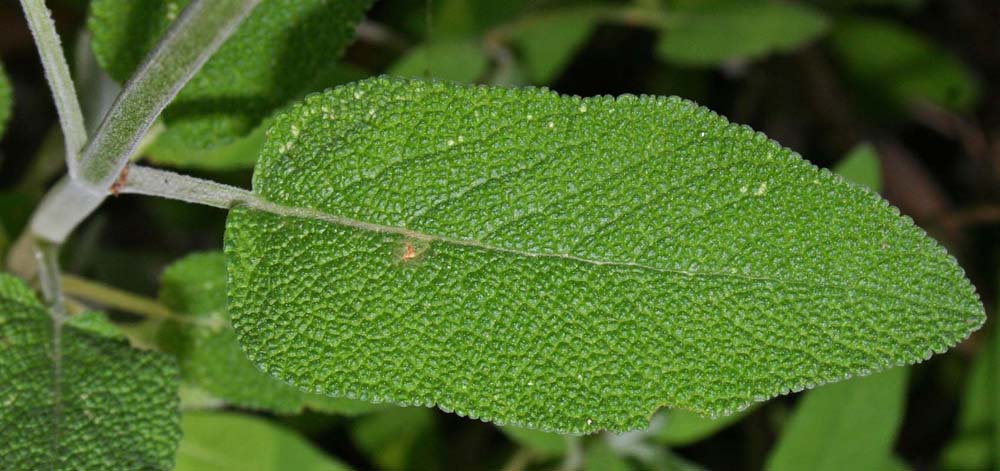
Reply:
x=569, y=265
x=458, y=60
x=206, y=346
x=96, y=404
x=710, y=33
x=283, y=50
x=681, y=427
x=905, y=69
x=398, y=438
x=850, y=425
x=6, y=100
x=547, y=40
x=545, y=444
x=222, y=441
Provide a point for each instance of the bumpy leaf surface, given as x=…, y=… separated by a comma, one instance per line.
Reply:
x=215, y=441
x=206, y=347
x=710, y=33
x=284, y=49
x=569, y=264
x=86, y=401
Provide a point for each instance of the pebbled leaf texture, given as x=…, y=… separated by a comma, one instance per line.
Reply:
x=85, y=402
x=206, y=348
x=6, y=100
x=569, y=264
x=282, y=50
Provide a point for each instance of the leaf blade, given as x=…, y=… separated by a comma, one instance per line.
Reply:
x=412, y=255
x=100, y=404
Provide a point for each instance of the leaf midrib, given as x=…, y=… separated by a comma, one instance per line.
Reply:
x=258, y=203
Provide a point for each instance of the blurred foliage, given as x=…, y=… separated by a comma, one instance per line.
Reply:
x=916, y=79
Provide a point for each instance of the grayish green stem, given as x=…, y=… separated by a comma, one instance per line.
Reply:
x=199, y=31
x=62, y=209
x=154, y=182
x=57, y=73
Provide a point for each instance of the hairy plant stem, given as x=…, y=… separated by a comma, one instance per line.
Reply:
x=57, y=73
x=191, y=40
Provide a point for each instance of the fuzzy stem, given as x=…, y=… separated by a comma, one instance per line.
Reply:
x=58, y=76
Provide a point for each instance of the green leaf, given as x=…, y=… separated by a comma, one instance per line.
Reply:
x=681, y=427
x=861, y=166
x=548, y=40
x=455, y=59
x=569, y=264
x=82, y=399
x=6, y=100
x=601, y=457
x=710, y=33
x=282, y=51
x=398, y=438
x=174, y=149
x=893, y=64
x=545, y=444
x=206, y=347
x=850, y=425
x=220, y=441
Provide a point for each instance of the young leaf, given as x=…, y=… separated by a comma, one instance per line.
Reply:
x=569, y=264
x=890, y=62
x=711, y=33
x=851, y=425
x=280, y=52
x=206, y=346
x=454, y=59
x=6, y=100
x=80, y=398
x=220, y=441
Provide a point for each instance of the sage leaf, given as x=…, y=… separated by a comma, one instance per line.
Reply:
x=82, y=398
x=568, y=264
x=711, y=33
x=206, y=349
x=249, y=76
x=224, y=441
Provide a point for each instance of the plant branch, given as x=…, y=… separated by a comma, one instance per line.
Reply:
x=114, y=298
x=154, y=182
x=199, y=31
x=57, y=73
x=47, y=256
